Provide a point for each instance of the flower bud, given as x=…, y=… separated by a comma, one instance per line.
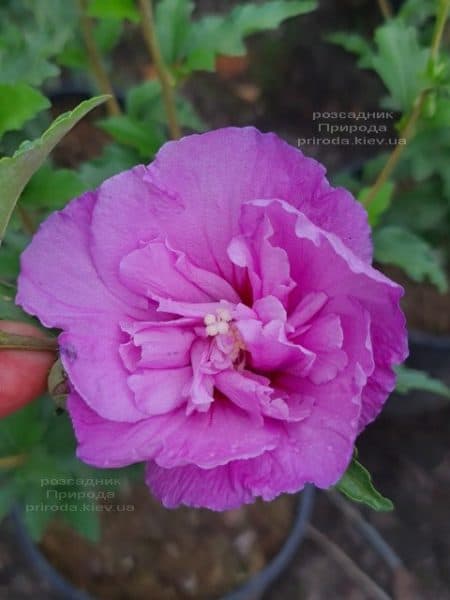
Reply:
x=23, y=373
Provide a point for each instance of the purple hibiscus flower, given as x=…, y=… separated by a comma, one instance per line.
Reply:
x=220, y=319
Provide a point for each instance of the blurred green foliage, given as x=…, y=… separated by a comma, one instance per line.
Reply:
x=411, y=212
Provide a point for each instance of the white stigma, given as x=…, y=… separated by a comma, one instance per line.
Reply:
x=217, y=324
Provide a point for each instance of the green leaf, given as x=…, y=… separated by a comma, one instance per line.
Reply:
x=354, y=43
x=74, y=55
x=142, y=99
x=144, y=103
x=85, y=522
x=144, y=126
x=187, y=115
x=114, y=9
x=59, y=438
x=422, y=208
x=18, y=104
x=249, y=18
x=421, y=163
x=9, y=265
x=440, y=116
x=36, y=503
x=373, y=166
x=31, y=35
x=172, y=27
x=349, y=181
x=214, y=35
x=200, y=59
x=52, y=188
x=145, y=137
x=413, y=379
x=207, y=38
x=357, y=485
x=107, y=33
x=40, y=483
x=380, y=202
x=416, y=12
x=428, y=153
x=397, y=246
x=14, y=244
x=21, y=430
x=400, y=62
x=114, y=159
x=16, y=171
x=8, y=309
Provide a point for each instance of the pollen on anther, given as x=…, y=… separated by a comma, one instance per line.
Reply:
x=224, y=315
x=209, y=319
x=222, y=327
x=212, y=329
x=218, y=323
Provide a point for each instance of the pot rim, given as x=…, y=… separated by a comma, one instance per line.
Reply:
x=253, y=587
x=418, y=336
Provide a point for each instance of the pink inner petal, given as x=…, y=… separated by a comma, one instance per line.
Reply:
x=160, y=391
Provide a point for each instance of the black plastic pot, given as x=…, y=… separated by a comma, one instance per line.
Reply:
x=251, y=590
x=429, y=353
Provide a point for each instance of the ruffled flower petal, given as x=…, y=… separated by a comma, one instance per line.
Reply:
x=58, y=281
x=236, y=165
x=160, y=391
x=92, y=361
x=317, y=450
x=156, y=271
x=206, y=439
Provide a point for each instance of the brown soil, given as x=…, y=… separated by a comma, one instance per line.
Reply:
x=409, y=459
x=82, y=143
x=158, y=554
x=425, y=307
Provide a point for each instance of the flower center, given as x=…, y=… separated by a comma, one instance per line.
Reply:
x=227, y=343
x=218, y=323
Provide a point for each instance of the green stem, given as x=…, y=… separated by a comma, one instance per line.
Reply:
x=151, y=39
x=408, y=130
x=98, y=70
x=8, y=284
x=441, y=20
x=13, y=341
x=406, y=134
